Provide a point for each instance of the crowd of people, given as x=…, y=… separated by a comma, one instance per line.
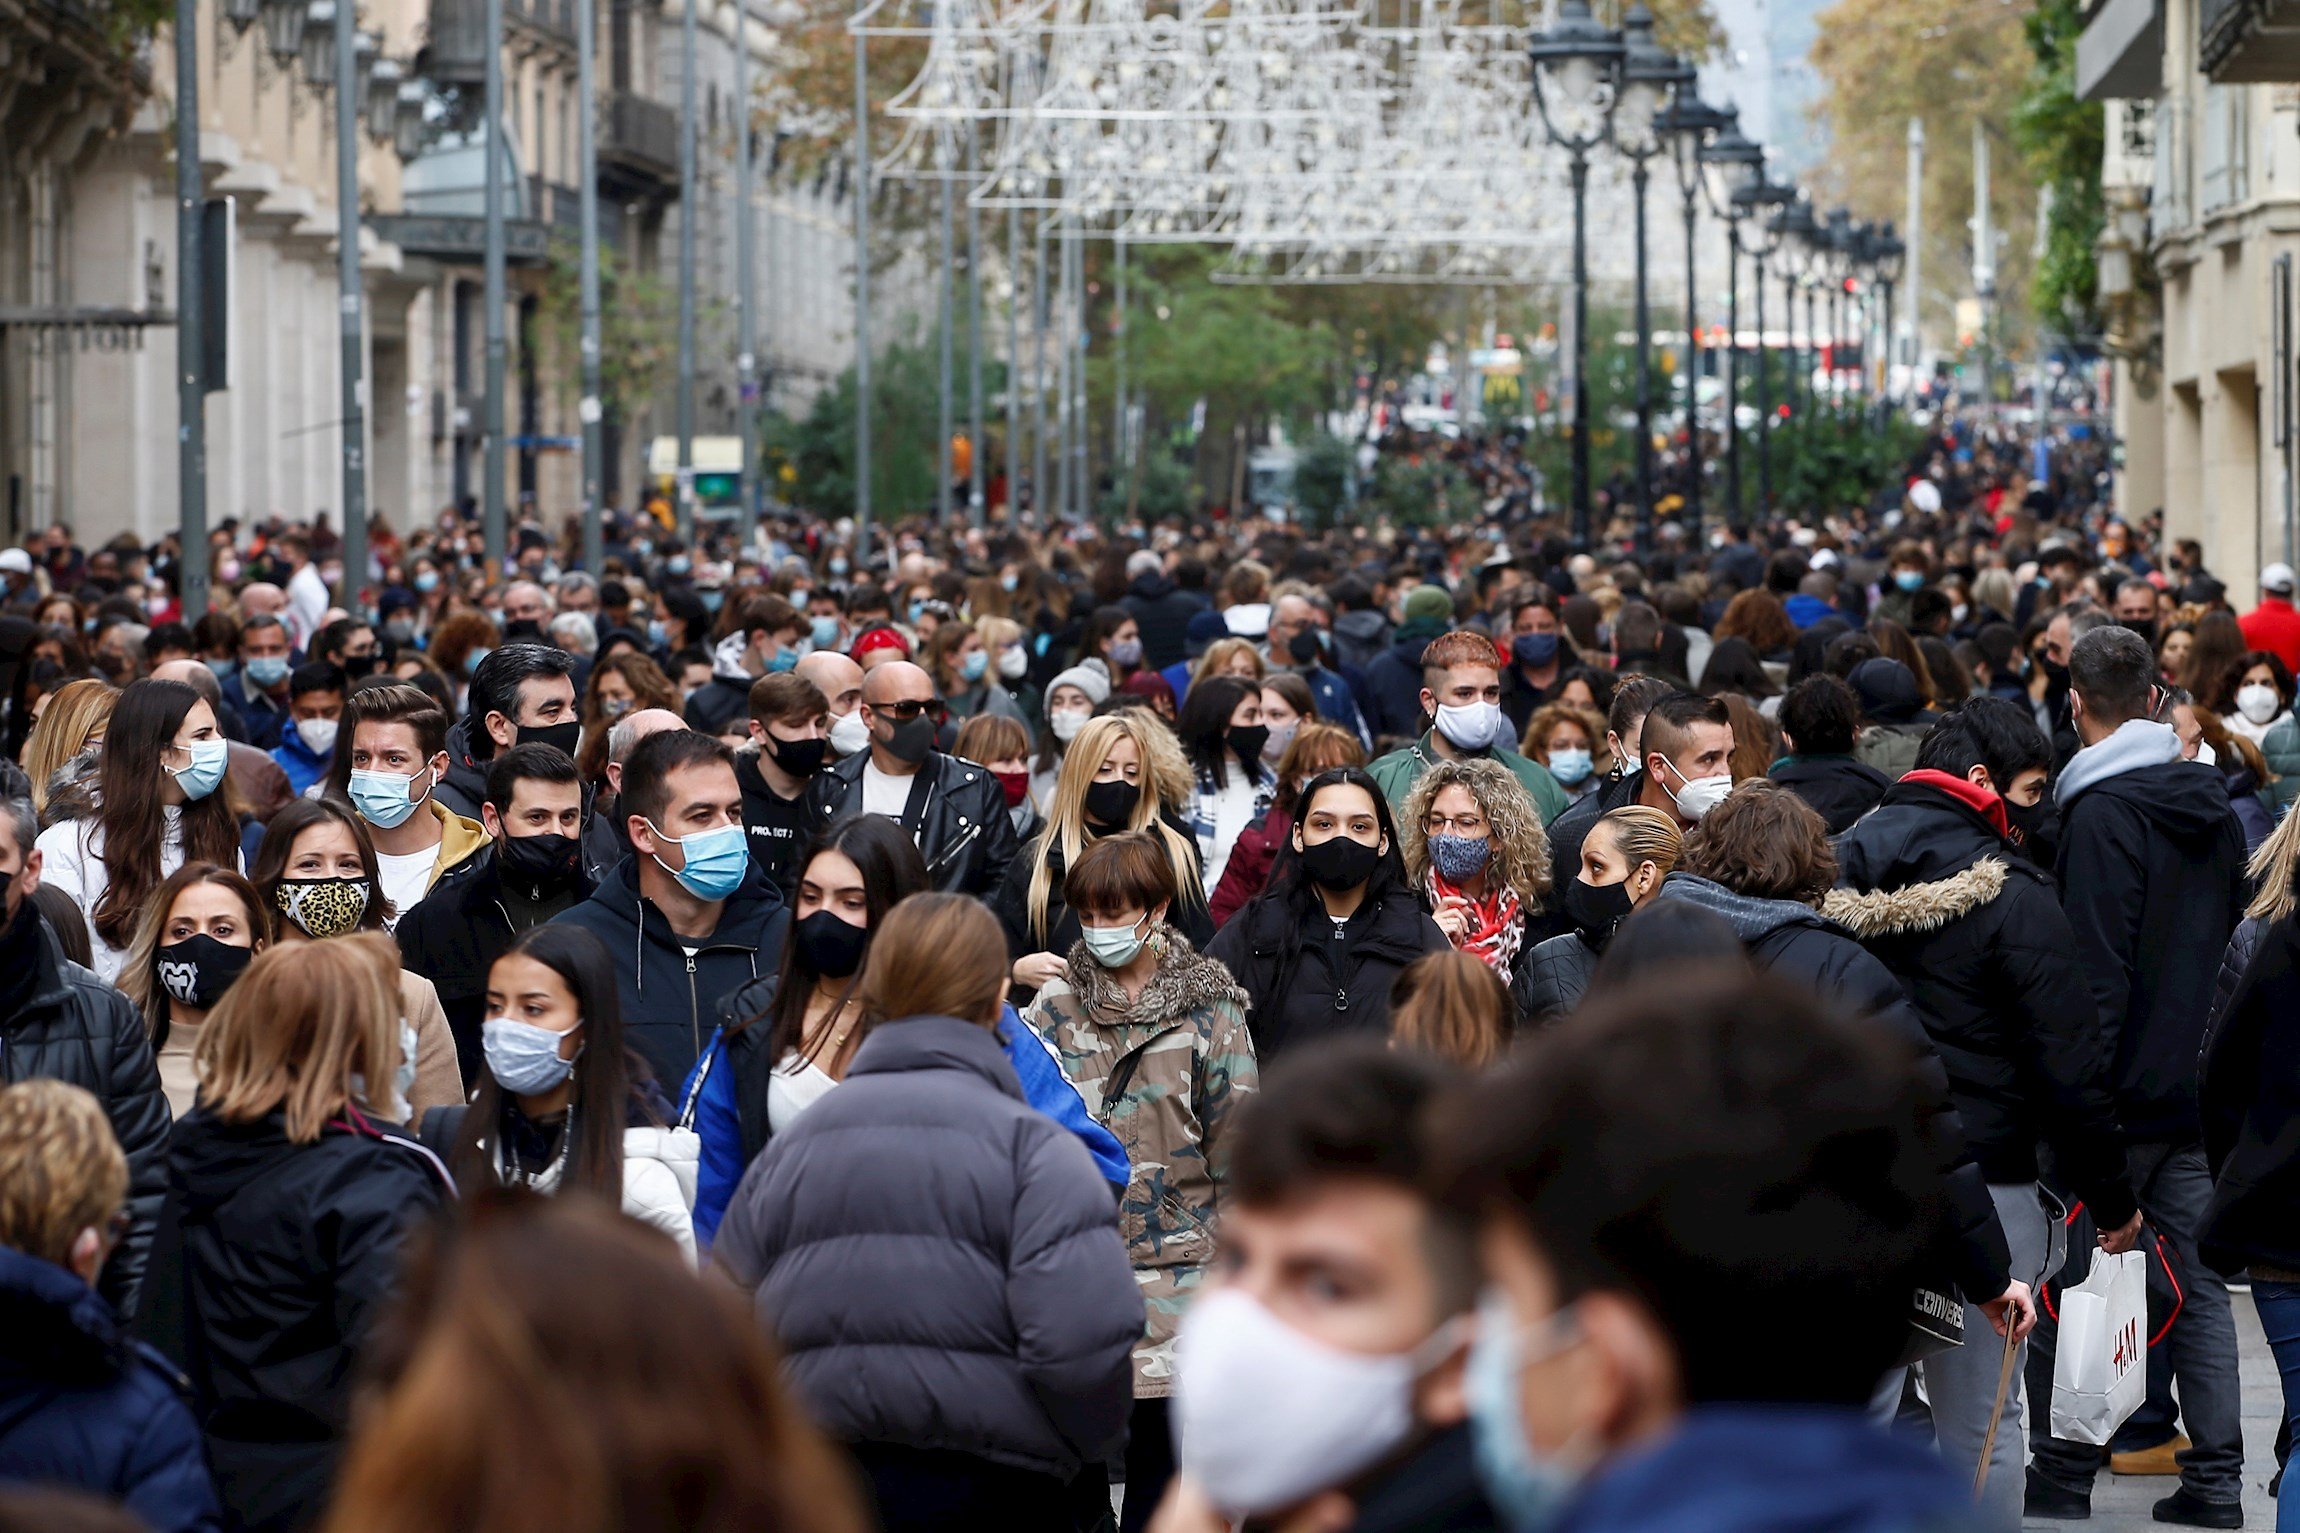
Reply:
x=1059, y=1028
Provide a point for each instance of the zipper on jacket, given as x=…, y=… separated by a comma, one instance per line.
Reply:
x=694, y=1008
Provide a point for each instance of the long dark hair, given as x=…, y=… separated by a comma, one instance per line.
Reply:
x=600, y=1095
x=892, y=871
x=1293, y=888
x=270, y=869
x=144, y=724
x=1204, y=726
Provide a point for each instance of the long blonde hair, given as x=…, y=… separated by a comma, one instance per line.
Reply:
x=2272, y=869
x=1066, y=816
x=75, y=711
x=296, y=1027
x=1520, y=845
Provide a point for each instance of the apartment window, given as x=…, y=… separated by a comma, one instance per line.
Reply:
x=570, y=162
x=542, y=171
x=2223, y=152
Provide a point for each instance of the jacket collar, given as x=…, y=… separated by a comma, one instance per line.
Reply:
x=902, y=1045
x=56, y=1324
x=1985, y=802
x=2136, y=743
x=1183, y=982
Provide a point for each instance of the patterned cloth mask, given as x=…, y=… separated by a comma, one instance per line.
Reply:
x=323, y=907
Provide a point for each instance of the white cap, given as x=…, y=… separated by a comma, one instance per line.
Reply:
x=2277, y=578
x=15, y=561
x=1925, y=496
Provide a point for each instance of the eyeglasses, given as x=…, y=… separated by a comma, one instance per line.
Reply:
x=903, y=709
x=1459, y=824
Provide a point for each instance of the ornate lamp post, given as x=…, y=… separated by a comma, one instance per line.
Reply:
x=1797, y=229
x=1736, y=170
x=1576, y=79
x=1692, y=126
x=1891, y=257
x=1649, y=73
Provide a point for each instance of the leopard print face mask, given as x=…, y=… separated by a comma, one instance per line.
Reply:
x=323, y=907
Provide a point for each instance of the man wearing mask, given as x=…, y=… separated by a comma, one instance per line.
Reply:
x=522, y=694
x=765, y=642
x=1536, y=658
x=1616, y=1383
x=390, y=773
x=1320, y=1379
x=1294, y=646
x=349, y=642
x=19, y=590
x=2136, y=608
x=258, y=690
x=605, y=841
x=840, y=681
x=955, y=810
x=1461, y=696
x=685, y=917
x=787, y=748
x=534, y=823
x=315, y=713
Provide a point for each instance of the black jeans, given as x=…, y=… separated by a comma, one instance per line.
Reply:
x=1149, y=1462
x=928, y=1490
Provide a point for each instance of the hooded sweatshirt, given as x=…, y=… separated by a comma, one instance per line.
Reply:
x=2152, y=878
x=725, y=700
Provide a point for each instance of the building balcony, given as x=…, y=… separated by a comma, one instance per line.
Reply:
x=2119, y=54
x=2248, y=42
x=639, y=146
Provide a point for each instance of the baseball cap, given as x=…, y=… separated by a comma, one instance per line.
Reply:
x=2277, y=578
x=15, y=561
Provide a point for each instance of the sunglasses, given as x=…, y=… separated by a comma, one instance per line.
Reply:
x=903, y=710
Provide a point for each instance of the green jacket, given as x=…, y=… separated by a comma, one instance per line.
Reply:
x=1401, y=769
x=2282, y=748
x=1185, y=1055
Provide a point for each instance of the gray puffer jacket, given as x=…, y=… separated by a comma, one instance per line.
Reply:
x=941, y=1262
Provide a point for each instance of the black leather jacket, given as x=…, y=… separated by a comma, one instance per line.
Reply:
x=961, y=824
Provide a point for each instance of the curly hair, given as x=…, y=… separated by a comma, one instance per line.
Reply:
x=1520, y=845
x=1766, y=842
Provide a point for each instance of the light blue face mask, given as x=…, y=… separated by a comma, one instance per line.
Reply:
x=716, y=860
x=825, y=631
x=382, y=798
x=1570, y=766
x=1908, y=580
x=205, y=771
x=265, y=670
x=974, y=666
x=782, y=660
x=1530, y=1492
x=524, y=1058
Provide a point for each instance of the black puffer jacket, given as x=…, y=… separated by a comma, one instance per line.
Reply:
x=59, y=1022
x=1839, y=788
x=464, y=788
x=961, y=827
x=1570, y=829
x=1188, y=914
x=1303, y=983
x=1974, y=932
x=1796, y=942
x=1162, y=610
x=287, y=1251
x=2249, y=1099
x=1551, y=978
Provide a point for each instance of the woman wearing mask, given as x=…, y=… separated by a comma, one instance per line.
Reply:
x=563, y=1105
x=459, y=642
x=1319, y=949
x=972, y=1384
x=204, y=926
x=1570, y=741
x=72, y=719
x=2257, y=697
x=1071, y=698
x=1286, y=707
x=1627, y=854
x=159, y=805
x=1316, y=748
x=1153, y=1035
x=624, y=682
x=1009, y=647
x=292, y=1184
x=1222, y=733
x=1112, y=641
x=316, y=878
x=1001, y=744
x=1475, y=851
x=959, y=662
x=1110, y=783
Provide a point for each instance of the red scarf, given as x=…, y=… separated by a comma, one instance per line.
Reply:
x=1495, y=927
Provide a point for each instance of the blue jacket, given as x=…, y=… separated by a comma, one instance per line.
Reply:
x=1395, y=681
x=1336, y=705
x=303, y=768
x=1772, y=1469
x=1806, y=610
x=667, y=996
x=84, y=1408
x=717, y=1117
x=260, y=722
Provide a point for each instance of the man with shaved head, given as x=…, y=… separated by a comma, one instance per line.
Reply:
x=840, y=681
x=605, y=840
x=955, y=810
x=261, y=596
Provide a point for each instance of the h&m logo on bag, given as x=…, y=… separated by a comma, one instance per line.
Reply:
x=2128, y=1349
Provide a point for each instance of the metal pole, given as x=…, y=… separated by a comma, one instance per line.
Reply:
x=1081, y=490
x=1692, y=376
x=351, y=389
x=977, y=448
x=943, y=319
x=1120, y=449
x=1583, y=513
x=1984, y=261
x=690, y=212
x=1040, y=308
x=191, y=379
x=588, y=411
x=1916, y=247
x=1885, y=385
x=1764, y=396
x=1637, y=182
x=746, y=288
x=1733, y=508
x=1062, y=380
x=491, y=291
x=1013, y=367
x=863, y=399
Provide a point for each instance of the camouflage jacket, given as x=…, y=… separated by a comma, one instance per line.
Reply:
x=1178, y=1055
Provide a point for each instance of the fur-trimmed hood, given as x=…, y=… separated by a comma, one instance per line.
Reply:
x=1918, y=907
x=1185, y=981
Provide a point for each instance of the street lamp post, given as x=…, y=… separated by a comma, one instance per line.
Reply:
x=1891, y=255
x=588, y=411
x=1648, y=73
x=350, y=305
x=492, y=298
x=1766, y=245
x=1692, y=125
x=690, y=209
x=1739, y=168
x=1578, y=63
x=1797, y=229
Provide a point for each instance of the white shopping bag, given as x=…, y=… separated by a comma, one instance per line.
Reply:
x=2100, y=1372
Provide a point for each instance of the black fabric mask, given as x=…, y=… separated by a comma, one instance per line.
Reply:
x=524, y=631
x=198, y=970
x=1112, y=803
x=2037, y=828
x=548, y=863
x=835, y=947
x=799, y=758
x=910, y=740
x=2145, y=627
x=566, y=736
x=1248, y=740
x=1596, y=910
x=1340, y=863
x=1303, y=647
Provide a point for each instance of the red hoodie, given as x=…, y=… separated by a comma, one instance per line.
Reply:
x=1986, y=801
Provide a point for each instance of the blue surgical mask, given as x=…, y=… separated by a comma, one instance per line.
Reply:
x=382, y=798
x=678, y=564
x=1908, y=580
x=427, y=581
x=658, y=632
x=1529, y=1490
x=782, y=660
x=523, y=1058
x=265, y=670
x=712, y=598
x=1570, y=766
x=917, y=611
x=475, y=659
x=1009, y=582
x=205, y=771
x=825, y=632
x=839, y=568
x=974, y=666
x=716, y=860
